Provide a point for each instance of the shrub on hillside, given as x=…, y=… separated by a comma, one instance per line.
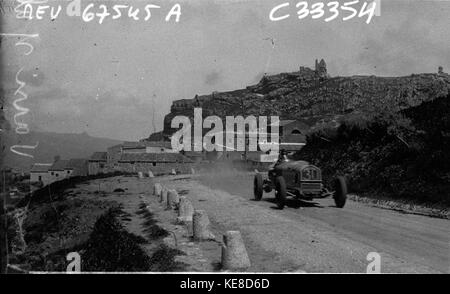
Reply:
x=402, y=155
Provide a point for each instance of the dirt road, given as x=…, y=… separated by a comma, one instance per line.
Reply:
x=318, y=237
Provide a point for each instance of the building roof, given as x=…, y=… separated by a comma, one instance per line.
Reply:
x=154, y=157
x=117, y=146
x=293, y=138
x=40, y=167
x=59, y=165
x=76, y=163
x=144, y=144
x=98, y=156
x=292, y=142
x=127, y=144
x=193, y=153
x=162, y=144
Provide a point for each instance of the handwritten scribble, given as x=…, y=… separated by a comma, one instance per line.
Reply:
x=32, y=9
x=22, y=128
x=14, y=147
x=24, y=6
x=23, y=41
x=6, y=7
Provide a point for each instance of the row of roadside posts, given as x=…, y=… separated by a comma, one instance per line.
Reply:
x=234, y=254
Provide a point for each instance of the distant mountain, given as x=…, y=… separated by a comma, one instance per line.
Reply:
x=51, y=144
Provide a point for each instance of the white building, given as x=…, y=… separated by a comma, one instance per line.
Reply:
x=58, y=171
x=39, y=173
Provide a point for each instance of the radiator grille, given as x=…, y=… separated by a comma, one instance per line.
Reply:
x=311, y=186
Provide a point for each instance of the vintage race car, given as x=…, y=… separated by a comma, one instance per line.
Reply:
x=300, y=180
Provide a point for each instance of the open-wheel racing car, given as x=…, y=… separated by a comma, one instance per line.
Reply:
x=297, y=179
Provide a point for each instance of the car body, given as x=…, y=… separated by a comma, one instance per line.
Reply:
x=298, y=179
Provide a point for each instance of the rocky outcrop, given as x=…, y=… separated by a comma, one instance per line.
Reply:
x=312, y=95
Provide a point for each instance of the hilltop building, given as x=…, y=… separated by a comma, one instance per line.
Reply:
x=441, y=71
x=321, y=69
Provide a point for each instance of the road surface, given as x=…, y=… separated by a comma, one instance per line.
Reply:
x=317, y=236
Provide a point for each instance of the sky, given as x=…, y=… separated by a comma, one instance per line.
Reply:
x=116, y=78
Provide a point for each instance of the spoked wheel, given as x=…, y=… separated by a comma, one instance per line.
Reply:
x=340, y=192
x=258, y=187
x=280, y=192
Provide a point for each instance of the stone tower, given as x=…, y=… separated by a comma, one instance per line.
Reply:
x=321, y=68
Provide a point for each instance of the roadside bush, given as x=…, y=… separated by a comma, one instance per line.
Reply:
x=404, y=159
x=112, y=248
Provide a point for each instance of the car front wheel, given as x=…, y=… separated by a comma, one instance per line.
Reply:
x=340, y=192
x=258, y=187
x=280, y=192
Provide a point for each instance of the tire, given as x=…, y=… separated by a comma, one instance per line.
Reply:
x=258, y=187
x=280, y=192
x=267, y=188
x=340, y=192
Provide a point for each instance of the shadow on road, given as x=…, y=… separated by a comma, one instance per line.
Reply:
x=294, y=203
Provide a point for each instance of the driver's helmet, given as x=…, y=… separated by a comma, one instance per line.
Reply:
x=282, y=157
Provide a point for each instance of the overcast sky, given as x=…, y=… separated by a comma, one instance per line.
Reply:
x=109, y=79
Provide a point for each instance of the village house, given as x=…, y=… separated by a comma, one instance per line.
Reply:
x=194, y=155
x=292, y=137
x=157, y=163
x=58, y=170
x=115, y=152
x=40, y=173
x=76, y=167
x=97, y=163
x=292, y=127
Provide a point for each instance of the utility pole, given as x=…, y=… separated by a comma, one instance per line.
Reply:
x=153, y=113
x=243, y=110
x=3, y=234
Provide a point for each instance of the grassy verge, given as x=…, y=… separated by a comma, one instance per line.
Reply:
x=93, y=227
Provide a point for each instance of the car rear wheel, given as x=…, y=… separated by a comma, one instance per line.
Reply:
x=280, y=192
x=340, y=192
x=258, y=187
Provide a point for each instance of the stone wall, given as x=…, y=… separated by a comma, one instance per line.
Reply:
x=155, y=167
x=95, y=167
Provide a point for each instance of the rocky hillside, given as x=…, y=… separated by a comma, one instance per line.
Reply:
x=380, y=163
x=313, y=96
